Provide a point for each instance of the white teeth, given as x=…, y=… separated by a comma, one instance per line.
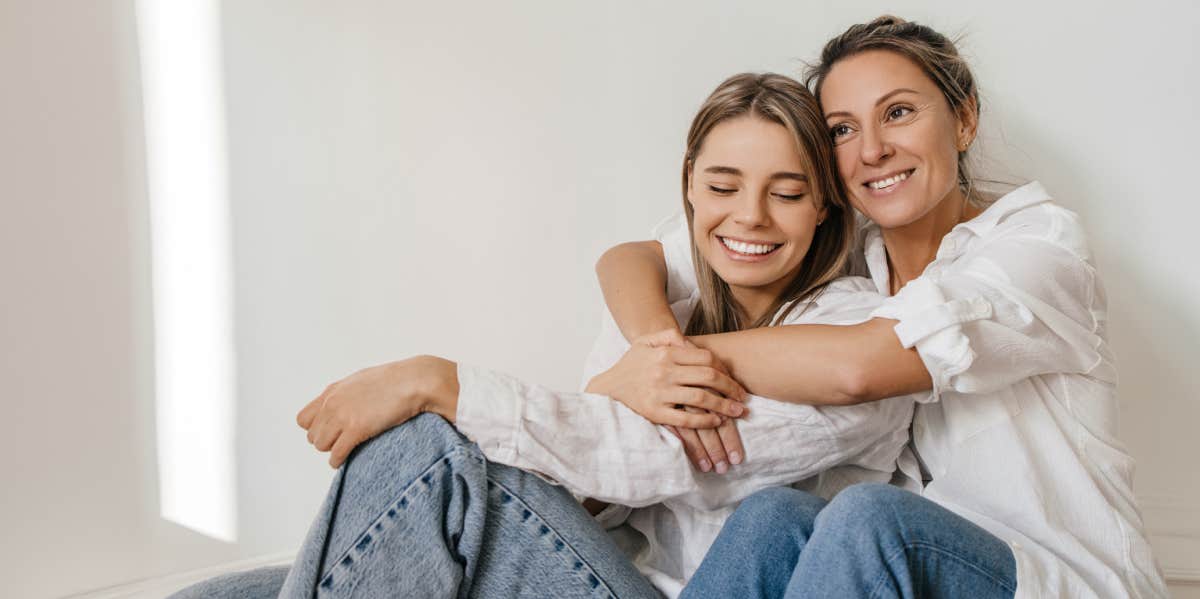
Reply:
x=747, y=248
x=890, y=181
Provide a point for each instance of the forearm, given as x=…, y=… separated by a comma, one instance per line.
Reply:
x=596, y=447
x=633, y=278
x=821, y=364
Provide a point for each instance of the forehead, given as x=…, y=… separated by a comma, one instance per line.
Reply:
x=861, y=79
x=750, y=144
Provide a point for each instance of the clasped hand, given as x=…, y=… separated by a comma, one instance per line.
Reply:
x=670, y=381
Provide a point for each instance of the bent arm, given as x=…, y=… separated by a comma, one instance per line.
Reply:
x=598, y=448
x=821, y=364
x=633, y=278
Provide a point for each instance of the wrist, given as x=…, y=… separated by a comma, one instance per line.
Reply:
x=597, y=384
x=439, y=393
x=653, y=326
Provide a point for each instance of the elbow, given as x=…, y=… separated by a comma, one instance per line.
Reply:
x=854, y=385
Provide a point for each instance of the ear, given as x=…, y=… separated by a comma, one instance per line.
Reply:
x=822, y=214
x=968, y=124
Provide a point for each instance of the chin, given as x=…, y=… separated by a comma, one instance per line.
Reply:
x=890, y=215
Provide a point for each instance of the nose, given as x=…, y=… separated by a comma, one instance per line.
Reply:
x=751, y=210
x=875, y=147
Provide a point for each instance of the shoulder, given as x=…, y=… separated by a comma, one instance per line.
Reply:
x=1029, y=214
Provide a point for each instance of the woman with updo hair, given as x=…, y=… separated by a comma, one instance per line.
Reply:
x=1014, y=483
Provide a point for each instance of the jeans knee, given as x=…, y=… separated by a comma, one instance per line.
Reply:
x=779, y=505
x=423, y=439
x=869, y=506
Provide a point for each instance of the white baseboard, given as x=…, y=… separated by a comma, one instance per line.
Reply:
x=157, y=588
x=1173, y=524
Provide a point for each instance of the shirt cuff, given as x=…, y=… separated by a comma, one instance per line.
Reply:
x=489, y=412
x=933, y=324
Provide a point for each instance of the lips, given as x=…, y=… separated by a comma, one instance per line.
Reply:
x=889, y=181
x=749, y=248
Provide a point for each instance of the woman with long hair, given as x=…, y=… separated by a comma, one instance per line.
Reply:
x=994, y=314
x=445, y=480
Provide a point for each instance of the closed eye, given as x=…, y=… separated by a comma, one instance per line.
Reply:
x=721, y=190
x=792, y=196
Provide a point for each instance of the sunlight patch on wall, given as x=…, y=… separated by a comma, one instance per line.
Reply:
x=191, y=259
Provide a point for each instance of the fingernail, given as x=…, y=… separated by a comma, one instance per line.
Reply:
x=705, y=465
x=737, y=409
x=735, y=457
x=722, y=467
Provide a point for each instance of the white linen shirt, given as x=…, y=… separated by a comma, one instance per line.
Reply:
x=1018, y=434
x=667, y=513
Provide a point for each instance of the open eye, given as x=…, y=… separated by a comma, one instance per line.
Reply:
x=897, y=112
x=839, y=131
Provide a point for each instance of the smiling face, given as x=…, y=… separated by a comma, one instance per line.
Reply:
x=754, y=215
x=897, y=138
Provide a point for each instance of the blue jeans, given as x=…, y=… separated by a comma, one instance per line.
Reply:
x=872, y=540
x=419, y=512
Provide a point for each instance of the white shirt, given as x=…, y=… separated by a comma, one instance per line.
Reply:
x=1019, y=433
x=597, y=447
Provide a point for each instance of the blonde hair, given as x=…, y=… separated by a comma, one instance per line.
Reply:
x=932, y=52
x=784, y=101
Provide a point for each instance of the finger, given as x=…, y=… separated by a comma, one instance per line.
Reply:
x=695, y=449
x=342, y=448
x=714, y=449
x=682, y=420
x=732, y=441
x=707, y=376
x=327, y=436
x=706, y=400
x=310, y=411
x=694, y=356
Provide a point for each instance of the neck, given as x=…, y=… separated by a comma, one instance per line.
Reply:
x=910, y=248
x=753, y=301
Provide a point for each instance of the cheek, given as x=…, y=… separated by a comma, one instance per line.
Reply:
x=847, y=160
x=801, y=225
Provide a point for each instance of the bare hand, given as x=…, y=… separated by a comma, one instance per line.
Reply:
x=708, y=449
x=652, y=381
x=712, y=449
x=375, y=399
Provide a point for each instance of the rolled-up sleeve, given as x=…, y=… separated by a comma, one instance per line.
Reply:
x=1021, y=303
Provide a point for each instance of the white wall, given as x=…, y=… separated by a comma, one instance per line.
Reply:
x=440, y=179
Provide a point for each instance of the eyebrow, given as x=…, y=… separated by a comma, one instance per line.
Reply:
x=881, y=100
x=729, y=170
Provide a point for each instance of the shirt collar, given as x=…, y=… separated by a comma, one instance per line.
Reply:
x=1014, y=201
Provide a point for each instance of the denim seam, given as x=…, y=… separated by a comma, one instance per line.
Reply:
x=363, y=544
x=924, y=545
x=590, y=571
